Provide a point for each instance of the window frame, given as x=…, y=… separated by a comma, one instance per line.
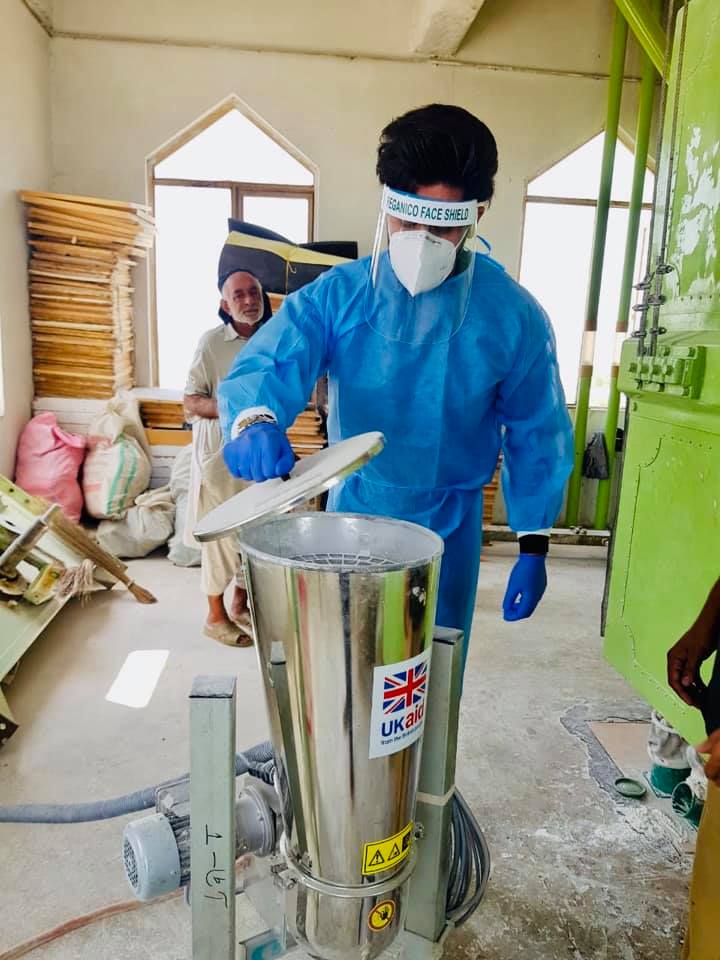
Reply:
x=580, y=202
x=240, y=189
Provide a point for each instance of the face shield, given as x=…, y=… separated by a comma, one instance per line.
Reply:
x=421, y=268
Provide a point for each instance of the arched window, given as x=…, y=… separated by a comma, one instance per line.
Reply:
x=560, y=207
x=225, y=166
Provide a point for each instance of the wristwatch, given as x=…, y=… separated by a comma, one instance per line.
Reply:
x=241, y=425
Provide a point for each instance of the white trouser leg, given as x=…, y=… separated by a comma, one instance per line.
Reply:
x=220, y=563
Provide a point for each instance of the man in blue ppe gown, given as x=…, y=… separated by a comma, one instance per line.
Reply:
x=435, y=346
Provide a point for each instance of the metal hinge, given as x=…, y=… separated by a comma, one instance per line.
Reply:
x=675, y=371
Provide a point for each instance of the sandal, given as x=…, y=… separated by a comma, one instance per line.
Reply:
x=244, y=622
x=227, y=633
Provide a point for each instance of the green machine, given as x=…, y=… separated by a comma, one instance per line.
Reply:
x=666, y=547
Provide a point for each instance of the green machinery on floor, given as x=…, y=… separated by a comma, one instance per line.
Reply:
x=32, y=562
x=666, y=548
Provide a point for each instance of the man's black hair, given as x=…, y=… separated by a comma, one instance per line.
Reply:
x=439, y=143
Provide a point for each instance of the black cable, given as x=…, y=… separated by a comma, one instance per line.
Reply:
x=470, y=863
x=460, y=893
x=472, y=902
x=454, y=894
x=481, y=857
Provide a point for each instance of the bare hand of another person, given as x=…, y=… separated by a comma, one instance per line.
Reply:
x=684, y=661
x=197, y=405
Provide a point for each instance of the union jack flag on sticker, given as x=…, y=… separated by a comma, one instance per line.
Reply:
x=398, y=707
x=405, y=689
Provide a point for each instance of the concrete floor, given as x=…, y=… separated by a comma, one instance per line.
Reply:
x=576, y=874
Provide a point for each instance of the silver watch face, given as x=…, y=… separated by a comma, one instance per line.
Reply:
x=309, y=477
x=244, y=424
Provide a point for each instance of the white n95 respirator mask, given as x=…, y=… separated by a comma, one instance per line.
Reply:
x=420, y=259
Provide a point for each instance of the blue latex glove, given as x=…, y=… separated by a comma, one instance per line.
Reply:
x=526, y=586
x=260, y=452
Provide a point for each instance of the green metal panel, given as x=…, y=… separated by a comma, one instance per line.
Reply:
x=665, y=556
x=666, y=550
x=646, y=26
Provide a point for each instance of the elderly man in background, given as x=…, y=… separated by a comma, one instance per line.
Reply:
x=243, y=310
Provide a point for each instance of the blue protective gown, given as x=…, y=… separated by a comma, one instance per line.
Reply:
x=446, y=405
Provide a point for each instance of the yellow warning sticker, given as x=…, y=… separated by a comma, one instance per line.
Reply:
x=386, y=854
x=382, y=915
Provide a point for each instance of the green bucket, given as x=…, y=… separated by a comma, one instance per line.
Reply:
x=686, y=804
x=663, y=780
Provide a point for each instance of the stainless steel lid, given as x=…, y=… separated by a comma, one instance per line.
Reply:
x=309, y=477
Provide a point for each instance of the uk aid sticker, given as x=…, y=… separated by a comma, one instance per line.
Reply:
x=399, y=704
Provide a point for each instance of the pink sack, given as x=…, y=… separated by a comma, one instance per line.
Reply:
x=48, y=462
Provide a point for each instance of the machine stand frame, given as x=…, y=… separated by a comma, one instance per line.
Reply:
x=212, y=814
x=426, y=923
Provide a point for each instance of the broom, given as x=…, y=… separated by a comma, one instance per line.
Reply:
x=75, y=537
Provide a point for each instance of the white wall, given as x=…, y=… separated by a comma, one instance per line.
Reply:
x=546, y=34
x=24, y=162
x=115, y=102
x=570, y=35
x=43, y=11
x=339, y=26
